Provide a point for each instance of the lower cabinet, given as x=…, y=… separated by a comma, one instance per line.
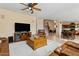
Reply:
x=4, y=47
x=37, y=43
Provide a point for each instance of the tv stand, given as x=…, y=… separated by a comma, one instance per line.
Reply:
x=24, y=35
x=20, y=36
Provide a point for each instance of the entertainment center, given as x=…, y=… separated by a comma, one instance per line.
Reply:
x=22, y=31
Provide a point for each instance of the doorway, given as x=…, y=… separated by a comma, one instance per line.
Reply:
x=50, y=28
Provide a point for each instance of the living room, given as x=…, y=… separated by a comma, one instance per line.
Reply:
x=29, y=35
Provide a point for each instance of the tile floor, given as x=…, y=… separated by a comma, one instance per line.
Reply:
x=23, y=49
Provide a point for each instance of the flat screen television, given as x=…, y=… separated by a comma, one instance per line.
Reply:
x=19, y=27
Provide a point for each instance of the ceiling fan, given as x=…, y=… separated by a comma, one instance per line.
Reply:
x=31, y=7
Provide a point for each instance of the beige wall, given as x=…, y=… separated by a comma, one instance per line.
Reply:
x=40, y=24
x=8, y=19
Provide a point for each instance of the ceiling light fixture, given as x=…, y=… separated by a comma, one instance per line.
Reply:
x=30, y=8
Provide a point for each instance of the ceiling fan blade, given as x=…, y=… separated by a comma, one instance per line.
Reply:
x=24, y=8
x=34, y=4
x=23, y=4
x=36, y=8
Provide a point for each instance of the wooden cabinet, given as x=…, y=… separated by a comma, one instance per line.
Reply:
x=20, y=36
x=4, y=47
x=24, y=36
x=37, y=42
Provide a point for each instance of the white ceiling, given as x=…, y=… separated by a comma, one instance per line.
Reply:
x=64, y=11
